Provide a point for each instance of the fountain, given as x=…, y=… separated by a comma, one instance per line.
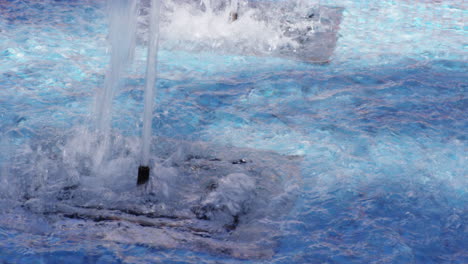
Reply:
x=122, y=29
x=151, y=71
x=218, y=199
x=253, y=156
x=122, y=36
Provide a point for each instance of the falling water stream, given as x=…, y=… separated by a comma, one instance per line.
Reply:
x=151, y=71
x=122, y=34
x=122, y=29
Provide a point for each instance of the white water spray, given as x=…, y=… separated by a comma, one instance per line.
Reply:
x=207, y=4
x=151, y=71
x=122, y=36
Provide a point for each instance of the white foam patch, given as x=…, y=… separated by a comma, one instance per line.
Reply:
x=217, y=32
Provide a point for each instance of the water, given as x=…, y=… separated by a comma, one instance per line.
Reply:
x=361, y=160
x=122, y=33
x=153, y=46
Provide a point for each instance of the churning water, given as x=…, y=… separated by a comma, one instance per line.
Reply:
x=257, y=155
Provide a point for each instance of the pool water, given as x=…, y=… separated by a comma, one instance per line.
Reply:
x=377, y=136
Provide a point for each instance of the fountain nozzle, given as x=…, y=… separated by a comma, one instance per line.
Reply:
x=233, y=16
x=143, y=175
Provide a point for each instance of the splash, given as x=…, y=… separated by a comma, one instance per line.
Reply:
x=205, y=198
x=300, y=31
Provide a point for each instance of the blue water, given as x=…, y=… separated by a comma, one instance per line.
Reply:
x=380, y=131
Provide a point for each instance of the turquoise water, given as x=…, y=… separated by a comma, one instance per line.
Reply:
x=379, y=134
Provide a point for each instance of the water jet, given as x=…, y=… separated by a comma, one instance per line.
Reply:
x=151, y=71
x=143, y=175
